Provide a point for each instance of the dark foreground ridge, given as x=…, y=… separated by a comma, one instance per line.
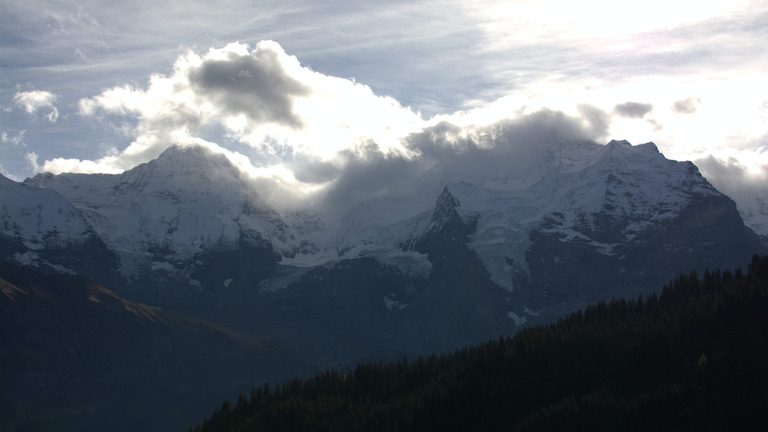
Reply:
x=693, y=358
x=76, y=357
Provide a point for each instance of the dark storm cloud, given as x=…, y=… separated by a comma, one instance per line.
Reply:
x=732, y=178
x=373, y=176
x=743, y=185
x=315, y=172
x=256, y=85
x=686, y=106
x=515, y=136
x=449, y=153
x=497, y=149
x=633, y=109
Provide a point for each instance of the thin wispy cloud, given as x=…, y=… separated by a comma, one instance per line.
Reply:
x=35, y=101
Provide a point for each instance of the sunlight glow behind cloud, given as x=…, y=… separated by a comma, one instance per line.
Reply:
x=687, y=75
x=263, y=98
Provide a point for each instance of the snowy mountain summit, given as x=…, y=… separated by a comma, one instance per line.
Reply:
x=601, y=198
x=160, y=216
x=534, y=234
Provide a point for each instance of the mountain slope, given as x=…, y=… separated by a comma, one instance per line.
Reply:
x=40, y=227
x=467, y=251
x=173, y=219
x=691, y=358
x=186, y=200
x=77, y=357
x=591, y=222
x=601, y=196
x=580, y=223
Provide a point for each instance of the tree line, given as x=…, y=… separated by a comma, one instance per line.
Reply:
x=693, y=357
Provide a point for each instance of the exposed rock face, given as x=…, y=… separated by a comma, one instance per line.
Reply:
x=643, y=231
x=446, y=228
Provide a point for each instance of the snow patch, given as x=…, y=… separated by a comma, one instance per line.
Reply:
x=283, y=276
x=27, y=258
x=61, y=269
x=572, y=235
x=163, y=265
x=33, y=245
x=32, y=259
x=530, y=312
x=389, y=303
x=326, y=257
x=519, y=320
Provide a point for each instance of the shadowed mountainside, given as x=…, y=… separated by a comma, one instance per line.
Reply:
x=77, y=357
x=692, y=358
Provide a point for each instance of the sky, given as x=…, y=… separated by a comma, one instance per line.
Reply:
x=304, y=93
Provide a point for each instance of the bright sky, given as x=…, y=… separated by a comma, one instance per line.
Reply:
x=294, y=90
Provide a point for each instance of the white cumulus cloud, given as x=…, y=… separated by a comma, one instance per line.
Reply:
x=305, y=136
x=265, y=101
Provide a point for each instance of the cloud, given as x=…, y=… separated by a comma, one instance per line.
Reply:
x=255, y=85
x=37, y=100
x=730, y=172
x=65, y=23
x=32, y=160
x=263, y=99
x=4, y=172
x=308, y=138
x=365, y=179
x=633, y=109
x=17, y=140
x=598, y=120
x=745, y=183
x=686, y=106
x=446, y=153
x=59, y=165
x=496, y=148
x=315, y=172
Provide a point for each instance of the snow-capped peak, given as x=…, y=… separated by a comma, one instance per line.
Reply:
x=39, y=216
x=165, y=213
x=172, y=208
x=635, y=187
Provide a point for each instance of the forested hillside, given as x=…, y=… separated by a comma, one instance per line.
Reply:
x=694, y=357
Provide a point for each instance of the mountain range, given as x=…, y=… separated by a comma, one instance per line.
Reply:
x=462, y=254
x=456, y=258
